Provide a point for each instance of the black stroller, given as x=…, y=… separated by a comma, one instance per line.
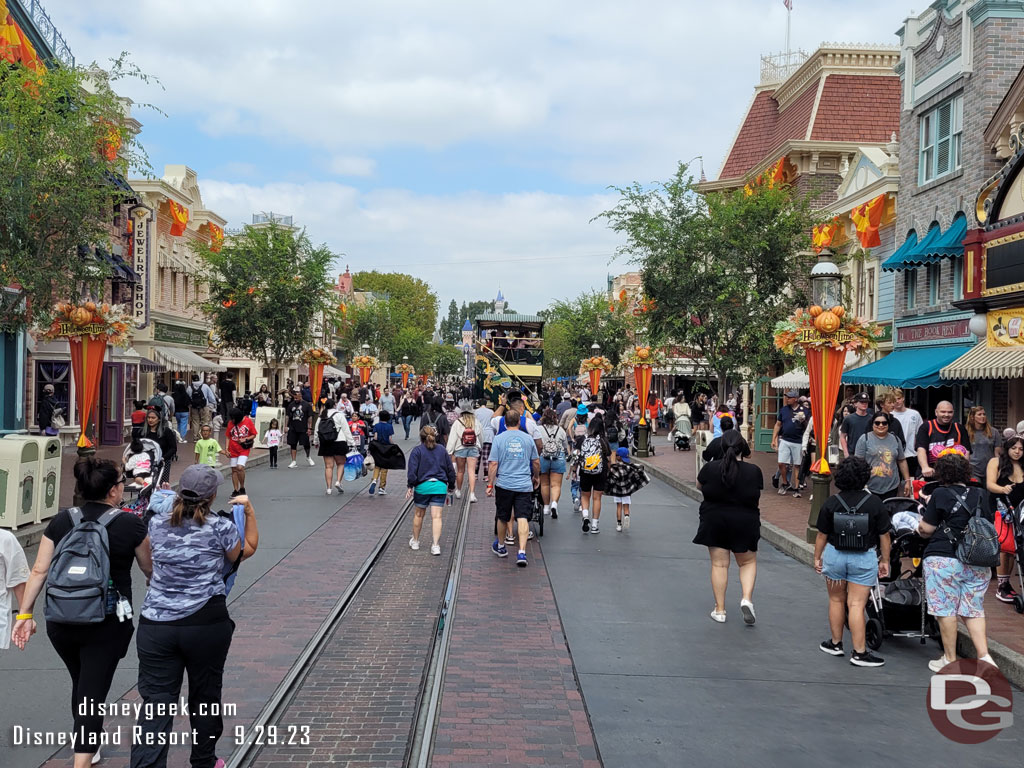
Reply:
x=896, y=606
x=1013, y=525
x=682, y=429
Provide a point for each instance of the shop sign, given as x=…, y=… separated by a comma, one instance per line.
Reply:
x=813, y=336
x=177, y=334
x=70, y=329
x=886, y=334
x=140, y=263
x=944, y=331
x=1005, y=328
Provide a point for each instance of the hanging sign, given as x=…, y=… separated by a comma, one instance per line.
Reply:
x=140, y=263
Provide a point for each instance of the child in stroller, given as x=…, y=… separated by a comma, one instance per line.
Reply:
x=681, y=432
x=143, y=464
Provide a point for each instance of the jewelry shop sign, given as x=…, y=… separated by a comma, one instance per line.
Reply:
x=141, y=216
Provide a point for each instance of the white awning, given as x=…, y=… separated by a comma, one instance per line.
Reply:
x=331, y=372
x=983, y=362
x=797, y=379
x=178, y=359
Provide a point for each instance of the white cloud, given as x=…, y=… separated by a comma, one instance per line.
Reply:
x=348, y=165
x=537, y=246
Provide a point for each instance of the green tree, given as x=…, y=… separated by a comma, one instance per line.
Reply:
x=573, y=326
x=55, y=182
x=446, y=360
x=268, y=289
x=412, y=302
x=722, y=268
x=451, y=327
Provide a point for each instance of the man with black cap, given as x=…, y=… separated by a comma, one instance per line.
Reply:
x=856, y=425
x=787, y=439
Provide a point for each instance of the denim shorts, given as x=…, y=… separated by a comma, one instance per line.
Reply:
x=552, y=465
x=855, y=567
x=467, y=452
x=424, y=500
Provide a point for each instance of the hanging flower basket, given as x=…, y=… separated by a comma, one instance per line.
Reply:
x=365, y=361
x=818, y=328
x=596, y=363
x=89, y=319
x=644, y=354
x=317, y=356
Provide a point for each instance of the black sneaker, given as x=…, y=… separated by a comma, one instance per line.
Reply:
x=1005, y=592
x=832, y=649
x=866, y=659
x=235, y=493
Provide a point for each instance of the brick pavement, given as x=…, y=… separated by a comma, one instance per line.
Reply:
x=360, y=697
x=1004, y=624
x=277, y=615
x=510, y=696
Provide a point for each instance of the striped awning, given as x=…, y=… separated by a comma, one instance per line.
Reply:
x=178, y=359
x=984, y=362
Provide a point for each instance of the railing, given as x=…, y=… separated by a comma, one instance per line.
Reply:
x=48, y=31
x=777, y=67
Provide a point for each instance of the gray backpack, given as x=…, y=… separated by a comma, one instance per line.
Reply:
x=78, y=587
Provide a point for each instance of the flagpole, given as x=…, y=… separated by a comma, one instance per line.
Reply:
x=789, y=18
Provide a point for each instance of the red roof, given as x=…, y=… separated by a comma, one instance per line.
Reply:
x=858, y=108
x=755, y=136
x=794, y=118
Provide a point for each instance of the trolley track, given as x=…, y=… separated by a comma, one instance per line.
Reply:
x=280, y=710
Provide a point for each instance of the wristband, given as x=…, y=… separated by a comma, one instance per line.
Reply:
x=23, y=616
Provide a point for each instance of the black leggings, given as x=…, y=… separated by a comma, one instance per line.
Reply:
x=166, y=652
x=91, y=653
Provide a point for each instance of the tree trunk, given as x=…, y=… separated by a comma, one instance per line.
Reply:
x=722, y=384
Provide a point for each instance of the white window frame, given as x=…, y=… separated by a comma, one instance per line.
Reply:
x=934, y=274
x=958, y=278
x=910, y=285
x=930, y=141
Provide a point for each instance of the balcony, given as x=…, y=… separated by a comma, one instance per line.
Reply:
x=45, y=28
x=777, y=67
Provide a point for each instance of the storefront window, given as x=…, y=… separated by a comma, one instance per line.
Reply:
x=910, y=280
x=59, y=375
x=131, y=387
x=934, y=276
x=958, y=278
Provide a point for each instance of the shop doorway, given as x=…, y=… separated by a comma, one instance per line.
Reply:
x=766, y=402
x=111, y=418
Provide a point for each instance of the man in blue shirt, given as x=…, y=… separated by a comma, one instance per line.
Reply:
x=787, y=439
x=512, y=473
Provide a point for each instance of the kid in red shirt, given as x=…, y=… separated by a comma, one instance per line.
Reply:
x=241, y=436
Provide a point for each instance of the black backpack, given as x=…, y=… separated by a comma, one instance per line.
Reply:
x=978, y=543
x=850, y=527
x=196, y=397
x=327, y=430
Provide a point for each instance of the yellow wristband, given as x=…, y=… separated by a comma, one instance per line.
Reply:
x=23, y=616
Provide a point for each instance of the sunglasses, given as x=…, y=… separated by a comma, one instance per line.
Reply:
x=881, y=423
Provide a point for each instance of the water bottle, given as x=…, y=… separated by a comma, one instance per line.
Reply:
x=111, y=604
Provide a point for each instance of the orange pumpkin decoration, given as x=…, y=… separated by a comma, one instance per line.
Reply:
x=80, y=316
x=644, y=353
x=90, y=305
x=815, y=310
x=105, y=308
x=838, y=310
x=826, y=322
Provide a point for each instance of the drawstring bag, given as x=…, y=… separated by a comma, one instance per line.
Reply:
x=353, y=466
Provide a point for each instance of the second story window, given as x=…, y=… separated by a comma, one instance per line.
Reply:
x=934, y=278
x=958, y=278
x=940, y=140
x=871, y=293
x=910, y=279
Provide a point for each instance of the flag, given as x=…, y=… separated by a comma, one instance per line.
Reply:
x=867, y=218
x=788, y=4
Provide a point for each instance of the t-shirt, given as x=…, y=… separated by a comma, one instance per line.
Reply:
x=483, y=416
x=743, y=494
x=227, y=391
x=299, y=415
x=940, y=513
x=514, y=452
x=910, y=420
x=983, y=448
x=239, y=433
x=383, y=431
x=273, y=438
x=882, y=455
x=854, y=427
x=792, y=427
x=878, y=518
x=13, y=571
x=188, y=564
x=940, y=438
x=532, y=428
x=124, y=534
x=387, y=403
x=207, y=451
x=562, y=407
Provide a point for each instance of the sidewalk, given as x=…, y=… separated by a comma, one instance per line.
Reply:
x=784, y=523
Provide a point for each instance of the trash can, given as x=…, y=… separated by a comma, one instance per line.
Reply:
x=264, y=415
x=47, y=501
x=704, y=438
x=19, y=467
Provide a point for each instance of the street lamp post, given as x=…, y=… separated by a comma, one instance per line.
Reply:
x=826, y=291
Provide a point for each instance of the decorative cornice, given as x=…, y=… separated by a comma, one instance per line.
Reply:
x=834, y=58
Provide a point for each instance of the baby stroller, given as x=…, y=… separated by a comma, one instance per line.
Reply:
x=1013, y=524
x=146, y=475
x=896, y=606
x=681, y=432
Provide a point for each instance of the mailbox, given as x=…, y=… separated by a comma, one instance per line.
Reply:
x=19, y=468
x=47, y=484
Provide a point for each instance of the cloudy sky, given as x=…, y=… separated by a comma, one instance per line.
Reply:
x=468, y=143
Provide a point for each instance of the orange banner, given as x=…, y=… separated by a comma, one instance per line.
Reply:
x=405, y=379
x=595, y=380
x=216, y=237
x=14, y=45
x=642, y=376
x=364, y=375
x=316, y=380
x=179, y=218
x=86, y=368
x=825, y=367
x=867, y=218
x=823, y=234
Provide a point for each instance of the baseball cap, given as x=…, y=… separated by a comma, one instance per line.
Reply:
x=623, y=454
x=566, y=396
x=297, y=389
x=199, y=481
x=792, y=393
x=861, y=397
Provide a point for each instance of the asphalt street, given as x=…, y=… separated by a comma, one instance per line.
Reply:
x=667, y=686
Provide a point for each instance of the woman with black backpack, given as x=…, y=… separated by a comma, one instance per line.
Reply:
x=464, y=445
x=953, y=587
x=593, y=457
x=851, y=524
x=90, y=635
x=554, y=450
x=333, y=436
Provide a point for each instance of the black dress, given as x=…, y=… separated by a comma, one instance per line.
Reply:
x=729, y=516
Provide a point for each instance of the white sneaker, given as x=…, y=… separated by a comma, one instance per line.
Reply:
x=718, y=616
x=988, y=660
x=293, y=464
x=458, y=494
x=414, y=544
x=435, y=549
x=96, y=757
x=472, y=498
x=625, y=522
x=936, y=665
x=747, y=609
x=547, y=510
x=310, y=460
x=328, y=491
x=618, y=526
x=339, y=488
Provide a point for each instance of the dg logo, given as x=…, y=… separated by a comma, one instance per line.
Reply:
x=970, y=702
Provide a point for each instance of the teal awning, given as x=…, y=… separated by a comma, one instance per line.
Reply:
x=934, y=246
x=908, y=368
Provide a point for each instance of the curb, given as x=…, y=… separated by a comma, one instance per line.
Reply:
x=1011, y=663
x=29, y=535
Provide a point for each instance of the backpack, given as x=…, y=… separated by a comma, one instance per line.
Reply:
x=327, y=430
x=978, y=543
x=158, y=402
x=851, y=526
x=78, y=586
x=451, y=416
x=196, y=396
x=612, y=431
x=551, y=447
x=592, y=458
x=469, y=437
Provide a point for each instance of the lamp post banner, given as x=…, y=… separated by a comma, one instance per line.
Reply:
x=316, y=380
x=642, y=376
x=825, y=366
x=405, y=379
x=87, y=353
x=595, y=380
x=364, y=374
